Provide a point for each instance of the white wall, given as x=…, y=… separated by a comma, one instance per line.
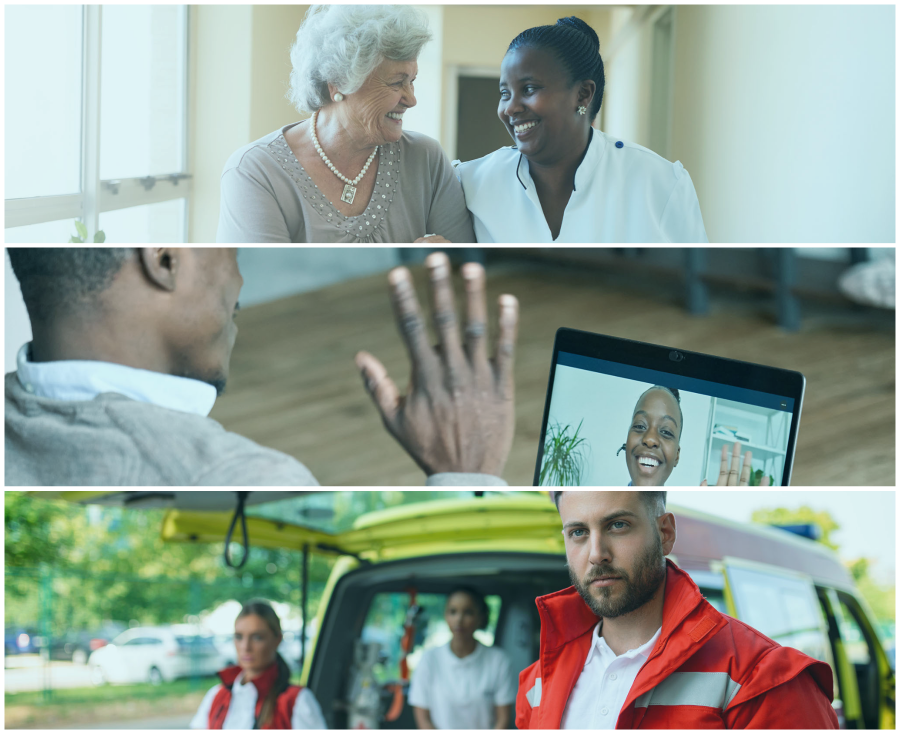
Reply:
x=425, y=117
x=221, y=38
x=606, y=405
x=626, y=98
x=784, y=116
x=17, y=327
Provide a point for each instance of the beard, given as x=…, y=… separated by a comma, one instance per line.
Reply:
x=640, y=587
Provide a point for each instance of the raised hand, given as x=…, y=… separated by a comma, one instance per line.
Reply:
x=730, y=472
x=457, y=414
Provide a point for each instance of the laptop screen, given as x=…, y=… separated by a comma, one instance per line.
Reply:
x=614, y=424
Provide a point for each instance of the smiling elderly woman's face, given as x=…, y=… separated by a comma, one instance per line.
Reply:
x=375, y=111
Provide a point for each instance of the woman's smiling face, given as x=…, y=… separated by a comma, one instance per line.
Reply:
x=376, y=109
x=652, y=448
x=538, y=106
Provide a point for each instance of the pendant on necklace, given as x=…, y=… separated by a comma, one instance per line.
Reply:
x=349, y=194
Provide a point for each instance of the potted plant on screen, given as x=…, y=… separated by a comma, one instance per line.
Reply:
x=565, y=453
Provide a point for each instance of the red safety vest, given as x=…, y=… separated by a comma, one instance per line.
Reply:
x=284, y=704
x=706, y=671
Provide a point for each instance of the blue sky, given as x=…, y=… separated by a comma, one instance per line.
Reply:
x=867, y=518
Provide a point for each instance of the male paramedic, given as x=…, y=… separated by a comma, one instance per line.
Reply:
x=633, y=644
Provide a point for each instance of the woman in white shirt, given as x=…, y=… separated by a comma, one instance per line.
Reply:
x=257, y=693
x=463, y=684
x=564, y=181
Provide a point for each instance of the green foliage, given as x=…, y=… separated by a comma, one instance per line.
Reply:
x=81, y=237
x=111, y=564
x=34, y=531
x=881, y=598
x=756, y=478
x=564, y=457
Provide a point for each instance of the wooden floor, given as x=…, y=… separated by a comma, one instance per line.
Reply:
x=294, y=386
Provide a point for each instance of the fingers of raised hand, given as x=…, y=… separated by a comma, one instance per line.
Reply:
x=476, y=312
x=445, y=322
x=735, y=466
x=379, y=386
x=506, y=341
x=745, y=472
x=409, y=318
x=723, y=468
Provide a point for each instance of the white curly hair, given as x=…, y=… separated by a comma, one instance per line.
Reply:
x=343, y=44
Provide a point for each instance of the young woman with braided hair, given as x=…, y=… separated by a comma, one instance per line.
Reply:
x=257, y=693
x=563, y=180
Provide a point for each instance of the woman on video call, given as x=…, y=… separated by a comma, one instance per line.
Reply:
x=653, y=444
x=563, y=180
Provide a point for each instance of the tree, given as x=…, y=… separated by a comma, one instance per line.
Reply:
x=34, y=531
x=109, y=563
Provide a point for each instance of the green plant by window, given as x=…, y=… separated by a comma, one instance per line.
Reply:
x=564, y=456
x=81, y=237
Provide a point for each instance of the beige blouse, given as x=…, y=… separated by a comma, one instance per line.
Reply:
x=267, y=196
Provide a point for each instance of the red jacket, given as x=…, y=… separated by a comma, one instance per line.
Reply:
x=284, y=704
x=706, y=671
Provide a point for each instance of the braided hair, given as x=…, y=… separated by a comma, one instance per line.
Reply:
x=576, y=45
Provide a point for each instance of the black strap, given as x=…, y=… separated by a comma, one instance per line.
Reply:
x=238, y=513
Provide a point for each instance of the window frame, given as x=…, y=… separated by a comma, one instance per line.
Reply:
x=99, y=196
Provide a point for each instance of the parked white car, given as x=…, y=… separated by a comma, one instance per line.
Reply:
x=154, y=655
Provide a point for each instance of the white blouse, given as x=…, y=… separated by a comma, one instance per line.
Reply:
x=307, y=713
x=463, y=693
x=623, y=193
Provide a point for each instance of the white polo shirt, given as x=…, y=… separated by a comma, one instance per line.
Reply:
x=623, y=193
x=462, y=693
x=604, y=683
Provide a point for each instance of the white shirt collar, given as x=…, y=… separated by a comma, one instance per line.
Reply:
x=85, y=380
x=468, y=659
x=584, y=174
x=599, y=644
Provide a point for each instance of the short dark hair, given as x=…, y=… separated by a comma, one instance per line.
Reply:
x=478, y=598
x=576, y=45
x=655, y=501
x=675, y=394
x=53, y=278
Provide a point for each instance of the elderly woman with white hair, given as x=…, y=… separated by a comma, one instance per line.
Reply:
x=350, y=173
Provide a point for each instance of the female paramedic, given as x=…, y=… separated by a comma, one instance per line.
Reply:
x=256, y=693
x=463, y=684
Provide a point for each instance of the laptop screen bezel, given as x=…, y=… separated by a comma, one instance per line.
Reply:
x=747, y=375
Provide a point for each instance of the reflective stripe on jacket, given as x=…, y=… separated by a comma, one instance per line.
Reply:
x=706, y=671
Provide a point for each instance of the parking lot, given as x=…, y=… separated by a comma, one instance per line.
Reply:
x=27, y=673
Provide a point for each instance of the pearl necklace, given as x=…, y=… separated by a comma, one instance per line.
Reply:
x=350, y=189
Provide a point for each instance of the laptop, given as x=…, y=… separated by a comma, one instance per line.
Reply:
x=624, y=413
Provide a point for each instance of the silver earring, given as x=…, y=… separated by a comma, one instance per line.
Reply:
x=338, y=97
x=582, y=110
